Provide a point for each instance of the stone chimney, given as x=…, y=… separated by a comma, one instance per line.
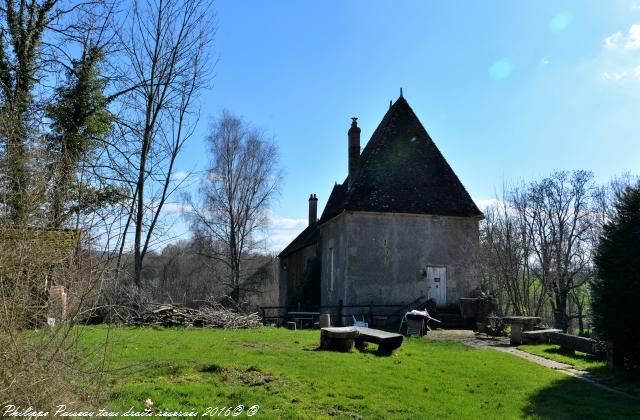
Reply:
x=313, y=209
x=354, y=150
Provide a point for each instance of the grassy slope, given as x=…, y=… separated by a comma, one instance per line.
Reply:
x=623, y=381
x=282, y=372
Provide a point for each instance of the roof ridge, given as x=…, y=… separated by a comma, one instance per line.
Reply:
x=364, y=158
x=403, y=170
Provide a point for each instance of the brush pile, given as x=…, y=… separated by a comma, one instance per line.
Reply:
x=218, y=316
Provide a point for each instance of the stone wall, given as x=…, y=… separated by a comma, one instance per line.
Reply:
x=291, y=271
x=381, y=258
x=333, y=254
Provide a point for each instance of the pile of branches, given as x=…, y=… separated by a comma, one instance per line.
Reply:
x=167, y=315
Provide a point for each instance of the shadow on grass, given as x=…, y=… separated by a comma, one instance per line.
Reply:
x=376, y=352
x=571, y=398
x=366, y=350
x=626, y=382
x=575, y=355
x=623, y=381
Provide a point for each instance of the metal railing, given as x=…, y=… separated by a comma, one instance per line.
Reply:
x=339, y=312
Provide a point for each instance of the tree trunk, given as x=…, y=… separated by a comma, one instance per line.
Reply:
x=138, y=254
x=561, y=320
x=580, y=323
x=60, y=192
x=235, y=292
x=17, y=171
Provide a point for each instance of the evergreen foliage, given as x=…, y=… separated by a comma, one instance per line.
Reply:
x=80, y=119
x=616, y=292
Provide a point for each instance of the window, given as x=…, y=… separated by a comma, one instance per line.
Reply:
x=331, y=270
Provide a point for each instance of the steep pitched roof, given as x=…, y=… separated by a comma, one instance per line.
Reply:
x=307, y=237
x=402, y=171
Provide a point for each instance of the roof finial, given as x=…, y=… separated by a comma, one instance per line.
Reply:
x=401, y=92
x=390, y=103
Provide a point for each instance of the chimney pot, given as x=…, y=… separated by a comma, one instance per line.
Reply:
x=313, y=210
x=354, y=150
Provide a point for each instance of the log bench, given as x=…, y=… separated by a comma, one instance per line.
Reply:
x=338, y=338
x=386, y=341
x=538, y=336
x=343, y=338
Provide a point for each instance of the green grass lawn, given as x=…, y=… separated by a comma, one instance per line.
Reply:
x=578, y=360
x=592, y=364
x=282, y=372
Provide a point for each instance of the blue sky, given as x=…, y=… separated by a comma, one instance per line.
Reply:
x=507, y=90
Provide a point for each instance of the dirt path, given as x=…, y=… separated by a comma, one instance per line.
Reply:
x=502, y=344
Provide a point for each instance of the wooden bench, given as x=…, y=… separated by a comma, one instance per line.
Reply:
x=386, y=341
x=538, y=336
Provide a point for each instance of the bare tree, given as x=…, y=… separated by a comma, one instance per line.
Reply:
x=235, y=194
x=507, y=244
x=539, y=244
x=53, y=132
x=561, y=217
x=166, y=52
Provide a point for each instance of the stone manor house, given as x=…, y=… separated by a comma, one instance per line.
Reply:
x=400, y=227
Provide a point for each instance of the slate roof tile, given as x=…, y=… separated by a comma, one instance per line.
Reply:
x=402, y=171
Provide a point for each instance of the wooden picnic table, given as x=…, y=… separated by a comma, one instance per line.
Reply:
x=519, y=324
x=298, y=317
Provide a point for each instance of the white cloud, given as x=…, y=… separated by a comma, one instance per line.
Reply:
x=612, y=40
x=620, y=57
x=276, y=242
x=176, y=208
x=483, y=203
x=281, y=231
x=633, y=39
x=279, y=222
x=613, y=76
x=180, y=175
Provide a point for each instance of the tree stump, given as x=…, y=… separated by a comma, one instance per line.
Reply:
x=338, y=338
